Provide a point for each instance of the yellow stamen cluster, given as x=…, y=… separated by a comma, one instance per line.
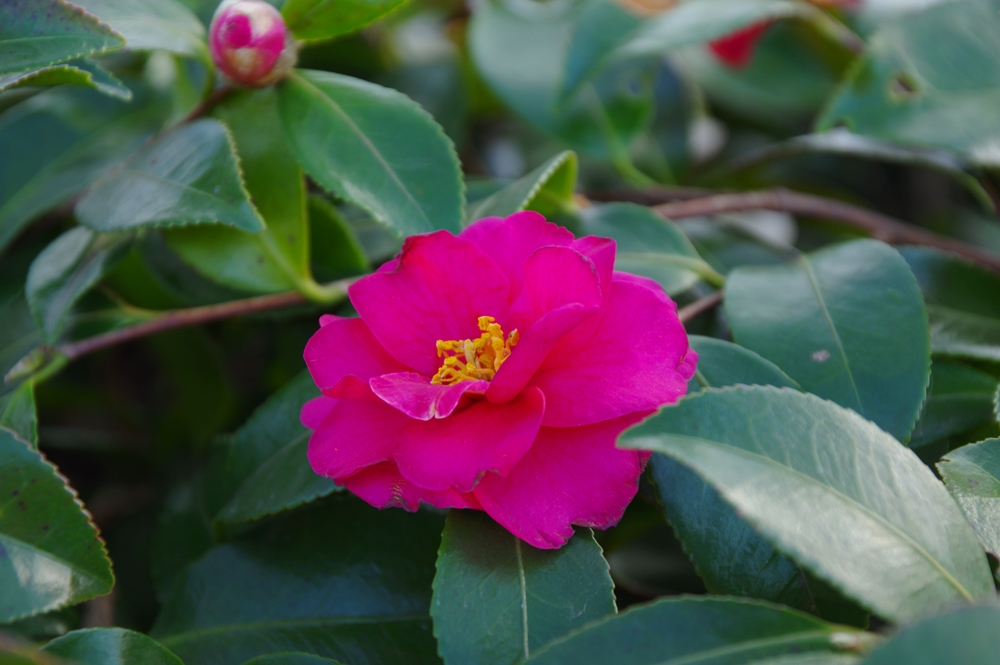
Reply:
x=474, y=359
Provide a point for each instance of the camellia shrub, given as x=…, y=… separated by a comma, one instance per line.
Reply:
x=591, y=332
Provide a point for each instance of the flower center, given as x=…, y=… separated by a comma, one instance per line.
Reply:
x=474, y=359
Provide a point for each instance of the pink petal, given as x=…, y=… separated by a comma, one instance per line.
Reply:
x=512, y=240
x=553, y=277
x=438, y=290
x=602, y=252
x=634, y=361
x=572, y=475
x=417, y=397
x=382, y=486
x=355, y=433
x=315, y=411
x=346, y=347
x=534, y=347
x=456, y=451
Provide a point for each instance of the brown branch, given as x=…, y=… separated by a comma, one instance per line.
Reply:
x=879, y=226
x=699, y=306
x=206, y=105
x=181, y=318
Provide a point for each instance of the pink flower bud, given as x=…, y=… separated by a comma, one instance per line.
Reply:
x=250, y=43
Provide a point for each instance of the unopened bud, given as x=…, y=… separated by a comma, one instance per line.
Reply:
x=250, y=43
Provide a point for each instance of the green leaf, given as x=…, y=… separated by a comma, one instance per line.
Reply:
x=18, y=336
x=548, y=189
x=606, y=33
x=182, y=535
x=847, y=323
x=498, y=600
x=930, y=79
x=39, y=33
x=340, y=580
x=972, y=474
x=187, y=175
x=960, y=397
x=266, y=470
x=336, y=251
x=695, y=630
x=967, y=636
x=65, y=270
x=75, y=72
x=276, y=259
x=374, y=147
x=722, y=363
x=147, y=26
x=963, y=303
x=830, y=490
x=18, y=416
x=648, y=245
x=110, y=646
x=56, y=144
x=290, y=659
x=52, y=556
x=322, y=19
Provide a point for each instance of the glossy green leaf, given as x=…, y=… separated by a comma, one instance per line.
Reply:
x=336, y=251
x=266, y=469
x=729, y=555
x=830, y=490
x=547, y=189
x=847, y=323
x=606, y=32
x=722, y=363
x=56, y=144
x=972, y=474
x=51, y=554
x=930, y=79
x=290, y=659
x=726, y=631
x=374, y=147
x=648, y=245
x=65, y=270
x=39, y=33
x=110, y=646
x=960, y=397
x=521, y=51
x=182, y=535
x=75, y=72
x=963, y=303
x=18, y=336
x=322, y=19
x=15, y=652
x=340, y=580
x=497, y=600
x=187, y=175
x=967, y=636
x=276, y=259
x=18, y=416
x=163, y=24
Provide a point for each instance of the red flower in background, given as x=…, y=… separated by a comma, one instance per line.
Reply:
x=495, y=371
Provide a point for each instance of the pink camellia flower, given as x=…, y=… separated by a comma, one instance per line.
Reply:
x=494, y=371
x=250, y=44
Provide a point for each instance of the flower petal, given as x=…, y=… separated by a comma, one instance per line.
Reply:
x=438, y=290
x=346, y=347
x=417, y=397
x=602, y=252
x=355, y=433
x=315, y=411
x=382, y=486
x=636, y=360
x=553, y=277
x=510, y=241
x=534, y=347
x=456, y=451
x=571, y=475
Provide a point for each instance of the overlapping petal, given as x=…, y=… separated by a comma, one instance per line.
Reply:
x=346, y=347
x=417, y=397
x=382, y=486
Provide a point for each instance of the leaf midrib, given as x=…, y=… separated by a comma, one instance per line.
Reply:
x=768, y=461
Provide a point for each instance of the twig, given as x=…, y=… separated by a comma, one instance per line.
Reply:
x=181, y=318
x=205, y=106
x=699, y=306
x=879, y=226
